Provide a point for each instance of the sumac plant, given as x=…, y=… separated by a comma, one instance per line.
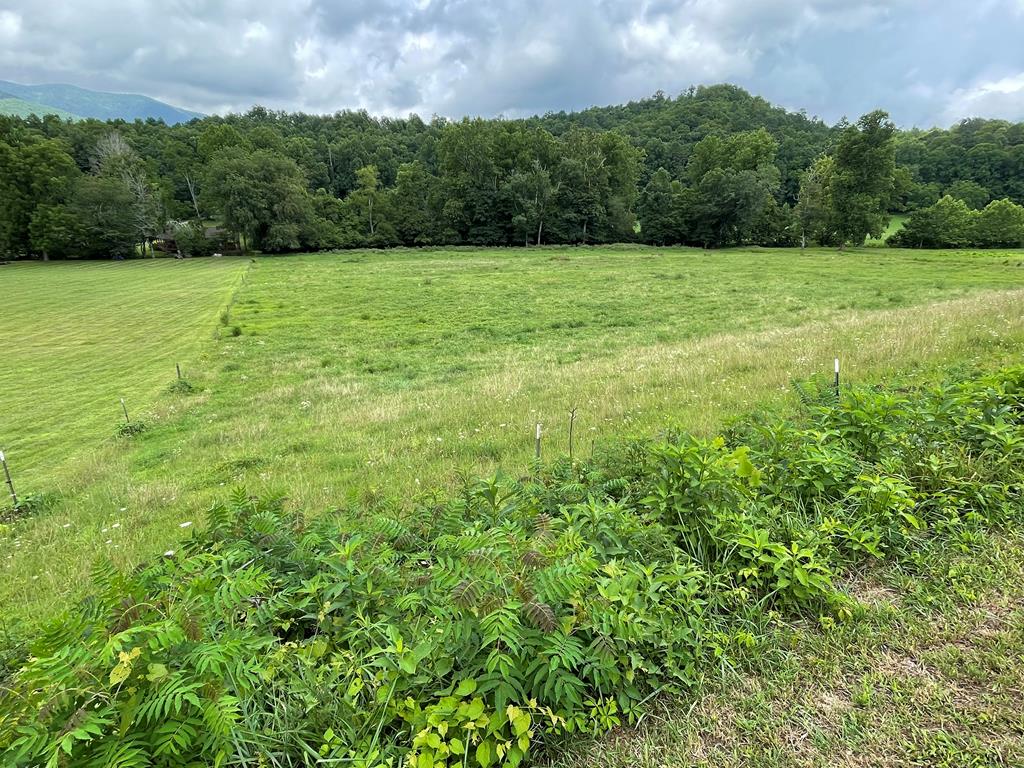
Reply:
x=482, y=629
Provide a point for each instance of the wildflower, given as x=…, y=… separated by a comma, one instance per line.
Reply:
x=116, y=525
x=169, y=553
x=186, y=524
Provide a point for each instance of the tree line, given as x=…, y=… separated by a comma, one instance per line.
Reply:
x=712, y=167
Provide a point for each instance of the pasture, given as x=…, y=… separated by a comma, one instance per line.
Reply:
x=378, y=376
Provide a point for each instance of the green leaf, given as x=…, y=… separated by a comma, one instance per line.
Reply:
x=475, y=709
x=465, y=688
x=156, y=672
x=521, y=724
x=485, y=753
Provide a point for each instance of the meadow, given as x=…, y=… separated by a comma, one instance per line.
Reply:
x=376, y=377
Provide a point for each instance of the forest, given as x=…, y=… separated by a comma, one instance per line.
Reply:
x=713, y=167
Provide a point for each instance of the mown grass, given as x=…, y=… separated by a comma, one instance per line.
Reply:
x=376, y=375
x=896, y=223
x=77, y=337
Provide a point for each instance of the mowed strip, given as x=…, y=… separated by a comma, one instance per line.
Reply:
x=76, y=337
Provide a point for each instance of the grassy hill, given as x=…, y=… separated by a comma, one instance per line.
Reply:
x=71, y=99
x=11, y=105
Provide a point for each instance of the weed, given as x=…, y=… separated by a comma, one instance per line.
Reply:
x=131, y=428
x=181, y=387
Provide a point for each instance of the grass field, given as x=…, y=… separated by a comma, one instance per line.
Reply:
x=79, y=336
x=377, y=375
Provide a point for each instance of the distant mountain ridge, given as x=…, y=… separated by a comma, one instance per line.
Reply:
x=71, y=101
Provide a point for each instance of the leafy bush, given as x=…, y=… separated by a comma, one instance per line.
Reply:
x=192, y=240
x=29, y=505
x=951, y=223
x=131, y=428
x=181, y=387
x=480, y=629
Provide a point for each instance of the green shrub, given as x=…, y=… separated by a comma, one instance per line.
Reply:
x=486, y=627
x=29, y=505
x=192, y=240
x=131, y=428
x=181, y=387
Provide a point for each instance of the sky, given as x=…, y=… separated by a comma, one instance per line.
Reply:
x=928, y=62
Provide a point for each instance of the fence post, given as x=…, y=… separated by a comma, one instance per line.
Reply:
x=572, y=421
x=7, y=474
x=125, y=409
x=836, y=385
x=537, y=442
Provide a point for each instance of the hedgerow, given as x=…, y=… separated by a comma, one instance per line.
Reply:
x=482, y=628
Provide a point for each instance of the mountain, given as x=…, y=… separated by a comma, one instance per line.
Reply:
x=81, y=102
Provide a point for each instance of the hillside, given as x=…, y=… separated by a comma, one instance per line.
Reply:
x=64, y=99
x=11, y=105
x=667, y=128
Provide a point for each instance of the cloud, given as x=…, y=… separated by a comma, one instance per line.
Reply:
x=926, y=62
x=10, y=25
x=1002, y=98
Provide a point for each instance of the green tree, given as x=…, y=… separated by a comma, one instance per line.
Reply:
x=215, y=140
x=815, y=211
x=261, y=196
x=415, y=206
x=192, y=240
x=584, y=185
x=1000, y=225
x=949, y=223
x=658, y=225
x=862, y=185
x=103, y=206
x=114, y=158
x=37, y=174
x=56, y=231
x=972, y=193
x=531, y=193
x=729, y=204
x=735, y=179
x=369, y=206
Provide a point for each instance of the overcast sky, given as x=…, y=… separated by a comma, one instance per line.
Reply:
x=926, y=61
